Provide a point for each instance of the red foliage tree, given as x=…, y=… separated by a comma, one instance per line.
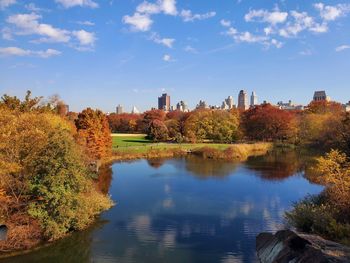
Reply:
x=266, y=122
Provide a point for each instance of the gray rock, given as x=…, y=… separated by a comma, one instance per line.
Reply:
x=3, y=232
x=289, y=247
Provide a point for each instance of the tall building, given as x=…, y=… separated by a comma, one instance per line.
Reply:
x=119, y=109
x=164, y=102
x=182, y=106
x=243, y=100
x=321, y=96
x=229, y=102
x=289, y=106
x=202, y=105
x=135, y=110
x=253, y=99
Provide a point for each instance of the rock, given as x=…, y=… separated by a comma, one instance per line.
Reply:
x=3, y=232
x=289, y=247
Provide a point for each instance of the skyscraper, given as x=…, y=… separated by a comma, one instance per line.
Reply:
x=243, y=100
x=253, y=99
x=182, y=106
x=119, y=109
x=229, y=102
x=321, y=96
x=164, y=102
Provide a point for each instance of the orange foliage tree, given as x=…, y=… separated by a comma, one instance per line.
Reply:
x=94, y=133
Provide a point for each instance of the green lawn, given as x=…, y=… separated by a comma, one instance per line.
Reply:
x=126, y=140
x=140, y=144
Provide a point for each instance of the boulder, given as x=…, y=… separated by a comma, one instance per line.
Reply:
x=287, y=246
x=3, y=232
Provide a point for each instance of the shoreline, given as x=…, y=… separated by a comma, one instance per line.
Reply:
x=229, y=152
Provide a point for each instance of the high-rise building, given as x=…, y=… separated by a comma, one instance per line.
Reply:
x=243, y=100
x=289, y=106
x=182, y=106
x=135, y=110
x=230, y=103
x=321, y=96
x=119, y=109
x=202, y=105
x=164, y=102
x=253, y=99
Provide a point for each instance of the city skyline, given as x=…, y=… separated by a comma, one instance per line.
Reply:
x=101, y=53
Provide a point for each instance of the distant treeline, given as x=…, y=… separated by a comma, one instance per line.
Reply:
x=321, y=124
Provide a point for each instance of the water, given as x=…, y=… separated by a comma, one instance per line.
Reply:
x=186, y=210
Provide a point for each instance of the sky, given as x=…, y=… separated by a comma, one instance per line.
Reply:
x=103, y=53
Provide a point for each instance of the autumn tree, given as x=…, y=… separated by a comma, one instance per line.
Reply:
x=94, y=133
x=43, y=178
x=266, y=122
x=157, y=131
x=124, y=123
x=215, y=125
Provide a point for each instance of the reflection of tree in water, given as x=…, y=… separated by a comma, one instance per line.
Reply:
x=74, y=248
x=278, y=164
x=156, y=162
x=105, y=178
x=204, y=168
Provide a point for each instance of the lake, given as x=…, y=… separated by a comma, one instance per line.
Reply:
x=186, y=210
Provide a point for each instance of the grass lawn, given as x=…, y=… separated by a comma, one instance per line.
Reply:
x=140, y=144
x=129, y=140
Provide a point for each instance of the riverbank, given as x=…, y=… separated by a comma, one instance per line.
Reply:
x=229, y=152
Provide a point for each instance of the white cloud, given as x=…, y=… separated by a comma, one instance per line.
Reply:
x=190, y=49
x=261, y=15
x=168, y=42
x=28, y=24
x=331, y=13
x=138, y=22
x=225, y=23
x=342, y=48
x=301, y=22
x=187, y=16
x=85, y=23
x=32, y=7
x=6, y=33
x=6, y=3
x=167, y=58
x=73, y=3
x=85, y=38
x=148, y=8
x=167, y=7
x=15, y=51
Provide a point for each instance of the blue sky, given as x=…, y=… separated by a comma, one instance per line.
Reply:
x=102, y=53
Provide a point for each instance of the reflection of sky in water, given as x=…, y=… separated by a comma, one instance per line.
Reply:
x=179, y=212
x=190, y=210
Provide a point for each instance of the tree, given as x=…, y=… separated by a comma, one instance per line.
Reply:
x=266, y=122
x=94, y=134
x=158, y=131
x=43, y=177
x=322, y=107
x=216, y=125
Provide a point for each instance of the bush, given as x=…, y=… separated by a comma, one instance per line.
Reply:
x=315, y=215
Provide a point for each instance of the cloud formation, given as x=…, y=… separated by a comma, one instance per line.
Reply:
x=142, y=20
x=342, y=48
x=168, y=42
x=16, y=51
x=73, y=3
x=29, y=24
x=6, y=3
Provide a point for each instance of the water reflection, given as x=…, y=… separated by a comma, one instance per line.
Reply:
x=279, y=164
x=177, y=216
x=105, y=178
